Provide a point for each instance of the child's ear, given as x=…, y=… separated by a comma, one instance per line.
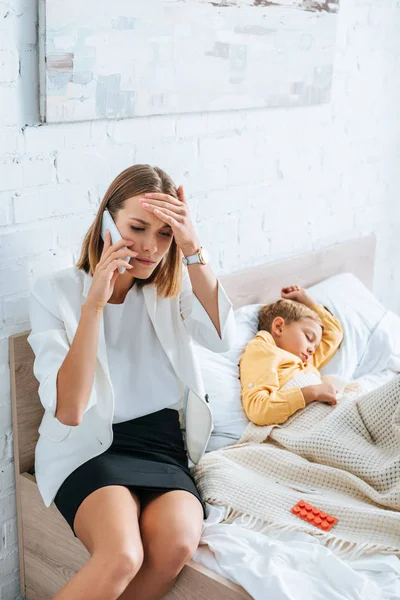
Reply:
x=277, y=326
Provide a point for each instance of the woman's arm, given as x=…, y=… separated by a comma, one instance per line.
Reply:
x=76, y=375
x=66, y=372
x=205, y=288
x=210, y=305
x=198, y=321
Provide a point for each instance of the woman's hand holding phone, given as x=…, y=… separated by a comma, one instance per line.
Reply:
x=106, y=271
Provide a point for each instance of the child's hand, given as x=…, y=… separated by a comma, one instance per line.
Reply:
x=323, y=392
x=294, y=292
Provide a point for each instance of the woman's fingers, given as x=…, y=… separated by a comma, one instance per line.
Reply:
x=168, y=217
x=107, y=242
x=118, y=262
x=162, y=198
x=114, y=277
x=162, y=211
x=123, y=253
x=167, y=197
x=121, y=244
x=181, y=194
x=162, y=205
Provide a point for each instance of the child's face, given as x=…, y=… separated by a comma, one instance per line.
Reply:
x=301, y=338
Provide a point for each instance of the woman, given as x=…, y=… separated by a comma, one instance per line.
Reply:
x=115, y=362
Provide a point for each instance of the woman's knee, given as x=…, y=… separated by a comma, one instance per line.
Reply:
x=170, y=556
x=107, y=524
x=171, y=526
x=125, y=564
x=120, y=565
x=182, y=550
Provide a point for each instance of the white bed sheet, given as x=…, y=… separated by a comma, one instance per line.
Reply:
x=295, y=566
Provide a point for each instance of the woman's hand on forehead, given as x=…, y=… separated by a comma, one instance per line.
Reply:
x=174, y=212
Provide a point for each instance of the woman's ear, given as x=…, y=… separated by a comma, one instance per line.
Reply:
x=277, y=326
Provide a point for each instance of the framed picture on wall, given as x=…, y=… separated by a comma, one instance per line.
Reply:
x=120, y=59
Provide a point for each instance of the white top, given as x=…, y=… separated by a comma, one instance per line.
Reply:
x=141, y=373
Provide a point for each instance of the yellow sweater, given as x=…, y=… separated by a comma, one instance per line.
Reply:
x=265, y=369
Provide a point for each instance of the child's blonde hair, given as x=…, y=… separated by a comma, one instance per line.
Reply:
x=287, y=309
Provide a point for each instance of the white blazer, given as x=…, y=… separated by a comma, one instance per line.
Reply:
x=55, y=309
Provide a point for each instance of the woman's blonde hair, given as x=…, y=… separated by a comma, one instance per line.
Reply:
x=289, y=310
x=138, y=179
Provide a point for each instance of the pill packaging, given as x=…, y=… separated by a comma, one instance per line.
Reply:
x=314, y=516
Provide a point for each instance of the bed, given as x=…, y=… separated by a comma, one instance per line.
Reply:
x=295, y=565
x=48, y=552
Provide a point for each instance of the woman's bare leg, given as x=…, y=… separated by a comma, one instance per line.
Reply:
x=107, y=524
x=171, y=526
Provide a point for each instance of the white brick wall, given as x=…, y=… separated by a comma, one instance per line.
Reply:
x=262, y=184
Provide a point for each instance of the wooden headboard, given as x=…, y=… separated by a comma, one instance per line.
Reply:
x=257, y=284
x=263, y=283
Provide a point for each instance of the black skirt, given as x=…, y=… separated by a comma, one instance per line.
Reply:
x=147, y=455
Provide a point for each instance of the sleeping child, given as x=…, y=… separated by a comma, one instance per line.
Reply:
x=279, y=367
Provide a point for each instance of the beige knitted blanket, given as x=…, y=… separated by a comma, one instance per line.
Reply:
x=349, y=455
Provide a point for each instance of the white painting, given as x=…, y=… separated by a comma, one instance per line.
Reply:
x=128, y=58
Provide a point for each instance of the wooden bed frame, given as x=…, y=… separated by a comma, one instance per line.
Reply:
x=49, y=554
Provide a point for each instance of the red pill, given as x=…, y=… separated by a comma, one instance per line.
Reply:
x=330, y=519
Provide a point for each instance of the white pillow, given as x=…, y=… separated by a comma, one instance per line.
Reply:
x=221, y=381
x=359, y=313
x=246, y=319
x=383, y=349
x=220, y=374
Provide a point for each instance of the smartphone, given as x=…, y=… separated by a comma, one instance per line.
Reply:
x=109, y=223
